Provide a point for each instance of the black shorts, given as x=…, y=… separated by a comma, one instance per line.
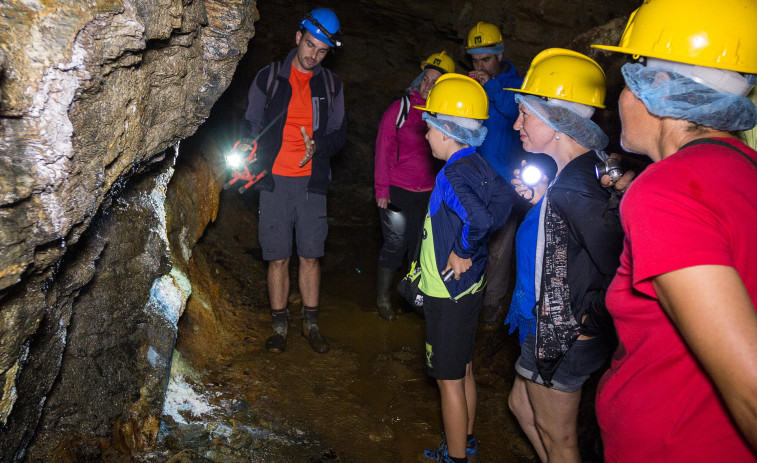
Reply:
x=450, y=334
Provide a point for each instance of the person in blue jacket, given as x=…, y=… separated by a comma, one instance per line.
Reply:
x=469, y=201
x=502, y=149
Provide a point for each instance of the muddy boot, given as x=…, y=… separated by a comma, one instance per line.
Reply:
x=316, y=341
x=384, y=280
x=278, y=341
x=310, y=330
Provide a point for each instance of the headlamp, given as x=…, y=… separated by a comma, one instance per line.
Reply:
x=334, y=37
x=531, y=175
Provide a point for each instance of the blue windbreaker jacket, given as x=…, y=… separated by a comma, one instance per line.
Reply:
x=470, y=201
x=502, y=145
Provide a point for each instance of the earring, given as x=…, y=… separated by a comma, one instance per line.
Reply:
x=557, y=137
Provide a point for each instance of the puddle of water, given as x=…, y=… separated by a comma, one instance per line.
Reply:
x=368, y=399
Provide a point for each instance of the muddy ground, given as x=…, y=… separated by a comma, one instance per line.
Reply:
x=367, y=400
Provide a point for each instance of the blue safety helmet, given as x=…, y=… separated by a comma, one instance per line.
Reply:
x=323, y=24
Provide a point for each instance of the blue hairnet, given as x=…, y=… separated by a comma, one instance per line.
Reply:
x=681, y=97
x=464, y=130
x=572, y=119
x=496, y=49
x=415, y=85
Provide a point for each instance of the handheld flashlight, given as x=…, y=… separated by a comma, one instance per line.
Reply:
x=611, y=167
x=531, y=175
x=234, y=159
x=448, y=275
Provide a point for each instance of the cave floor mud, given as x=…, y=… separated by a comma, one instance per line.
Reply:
x=367, y=400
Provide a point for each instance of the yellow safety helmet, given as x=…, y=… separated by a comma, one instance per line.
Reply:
x=720, y=34
x=457, y=95
x=442, y=61
x=483, y=35
x=565, y=75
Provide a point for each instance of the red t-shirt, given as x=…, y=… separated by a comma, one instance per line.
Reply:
x=656, y=403
x=299, y=114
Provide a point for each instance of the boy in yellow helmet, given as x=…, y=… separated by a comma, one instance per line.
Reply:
x=469, y=201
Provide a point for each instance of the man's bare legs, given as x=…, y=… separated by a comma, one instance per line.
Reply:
x=278, y=283
x=310, y=281
x=278, y=292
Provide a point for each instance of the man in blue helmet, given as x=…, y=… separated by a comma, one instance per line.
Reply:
x=295, y=112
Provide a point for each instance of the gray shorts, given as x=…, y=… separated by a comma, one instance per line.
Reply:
x=583, y=358
x=291, y=208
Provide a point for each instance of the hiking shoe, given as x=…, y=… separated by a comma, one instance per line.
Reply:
x=316, y=341
x=386, y=312
x=440, y=452
x=276, y=343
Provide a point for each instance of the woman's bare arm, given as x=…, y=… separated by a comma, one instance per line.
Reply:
x=710, y=306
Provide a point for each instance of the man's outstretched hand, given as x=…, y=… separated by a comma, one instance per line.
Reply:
x=309, y=146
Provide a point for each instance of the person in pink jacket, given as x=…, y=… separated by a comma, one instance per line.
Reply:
x=404, y=176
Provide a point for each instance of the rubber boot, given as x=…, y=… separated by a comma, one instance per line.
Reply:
x=384, y=280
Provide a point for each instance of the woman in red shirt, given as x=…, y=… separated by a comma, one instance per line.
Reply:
x=683, y=383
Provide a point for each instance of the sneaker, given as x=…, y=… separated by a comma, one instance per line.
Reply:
x=276, y=343
x=440, y=452
x=316, y=341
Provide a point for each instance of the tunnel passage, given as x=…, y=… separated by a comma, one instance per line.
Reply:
x=76, y=269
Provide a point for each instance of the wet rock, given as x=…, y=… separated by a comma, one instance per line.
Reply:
x=188, y=456
x=91, y=94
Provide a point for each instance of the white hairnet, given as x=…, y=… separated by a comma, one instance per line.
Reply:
x=572, y=119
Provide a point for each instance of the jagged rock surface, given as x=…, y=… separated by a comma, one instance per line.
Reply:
x=91, y=94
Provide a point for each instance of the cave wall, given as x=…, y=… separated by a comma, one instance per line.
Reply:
x=97, y=215
x=94, y=98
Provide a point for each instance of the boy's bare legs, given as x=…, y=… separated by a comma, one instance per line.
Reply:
x=458, y=411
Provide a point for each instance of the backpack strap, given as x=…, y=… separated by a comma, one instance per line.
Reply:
x=401, y=118
x=712, y=141
x=330, y=90
x=404, y=111
x=272, y=82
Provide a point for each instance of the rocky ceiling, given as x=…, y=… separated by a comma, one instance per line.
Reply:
x=103, y=193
